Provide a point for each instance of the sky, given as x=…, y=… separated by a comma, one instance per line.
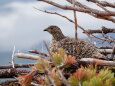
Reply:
x=22, y=25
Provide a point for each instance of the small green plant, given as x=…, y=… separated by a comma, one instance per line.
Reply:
x=89, y=77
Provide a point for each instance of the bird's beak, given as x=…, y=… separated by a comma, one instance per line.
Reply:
x=45, y=29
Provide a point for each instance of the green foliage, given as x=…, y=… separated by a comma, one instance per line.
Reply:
x=94, y=81
x=41, y=64
x=59, y=57
x=90, y=78
x=73, y=81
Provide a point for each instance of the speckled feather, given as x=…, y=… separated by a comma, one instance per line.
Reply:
x=75, y=47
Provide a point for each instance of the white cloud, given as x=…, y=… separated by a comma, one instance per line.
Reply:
x=6, y=24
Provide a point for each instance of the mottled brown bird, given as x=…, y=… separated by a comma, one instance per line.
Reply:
x=75, y=47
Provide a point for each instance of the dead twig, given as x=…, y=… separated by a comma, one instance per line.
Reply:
x=104, y=30
x=98, y=12
x=16, y=66
x=80, y=5
x=7, y=82
x=45, y=11
x=38, y=52
x=49, y=77
x=70, y=20
x=98, y=62
x=113, y=53
x=75, y=19
x=26, y=56
x=106, y=47
x=106, y=51
x=64, y=80
x=12, y=59
x=11, y=73
x=103, y=3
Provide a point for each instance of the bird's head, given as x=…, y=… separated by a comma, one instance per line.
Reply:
x=55, y=31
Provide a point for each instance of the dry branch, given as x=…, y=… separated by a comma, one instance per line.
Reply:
x=104, y=39
x=38, y=52
x=16, y=66
x=26, y=56
x=63, y=78
x=103, y=30
x=75, y=20
x=106, y=51
x=29, y=56
x=103, y=3
x=102, y=7
x=45, y=11
x=86, y=7
x=34, y=57
x=109, y=18
x=106, y=47
x=49, y=77
x=7, y=82
x=98, y=61
x=98, y=12
x=113, y=53
x=94, y=14
x=11, y=73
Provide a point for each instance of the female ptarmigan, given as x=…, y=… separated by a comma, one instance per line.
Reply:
x=75, y=47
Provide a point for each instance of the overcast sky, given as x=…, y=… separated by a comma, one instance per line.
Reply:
x=22, y=25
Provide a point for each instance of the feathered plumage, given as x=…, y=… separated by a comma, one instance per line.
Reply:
x=75, y=47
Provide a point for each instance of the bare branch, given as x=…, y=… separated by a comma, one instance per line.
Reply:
x=109, y=18
x=98, y=12
x=7, y=82
x=45, y=11
x=103, y=7
x=106, y=47
x=103, y=3
x=103, y=30
x=98, y=62
x=38, y=52
x=94, y=14
x=49, y=77
x=16, y=66
x=113, y=53
x=26, y=56
x=11, y=73
x=75, y=19
x=64, y=80
x=106, y=51
x=104, y=39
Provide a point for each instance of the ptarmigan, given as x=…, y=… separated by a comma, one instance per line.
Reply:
x=75, y=47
